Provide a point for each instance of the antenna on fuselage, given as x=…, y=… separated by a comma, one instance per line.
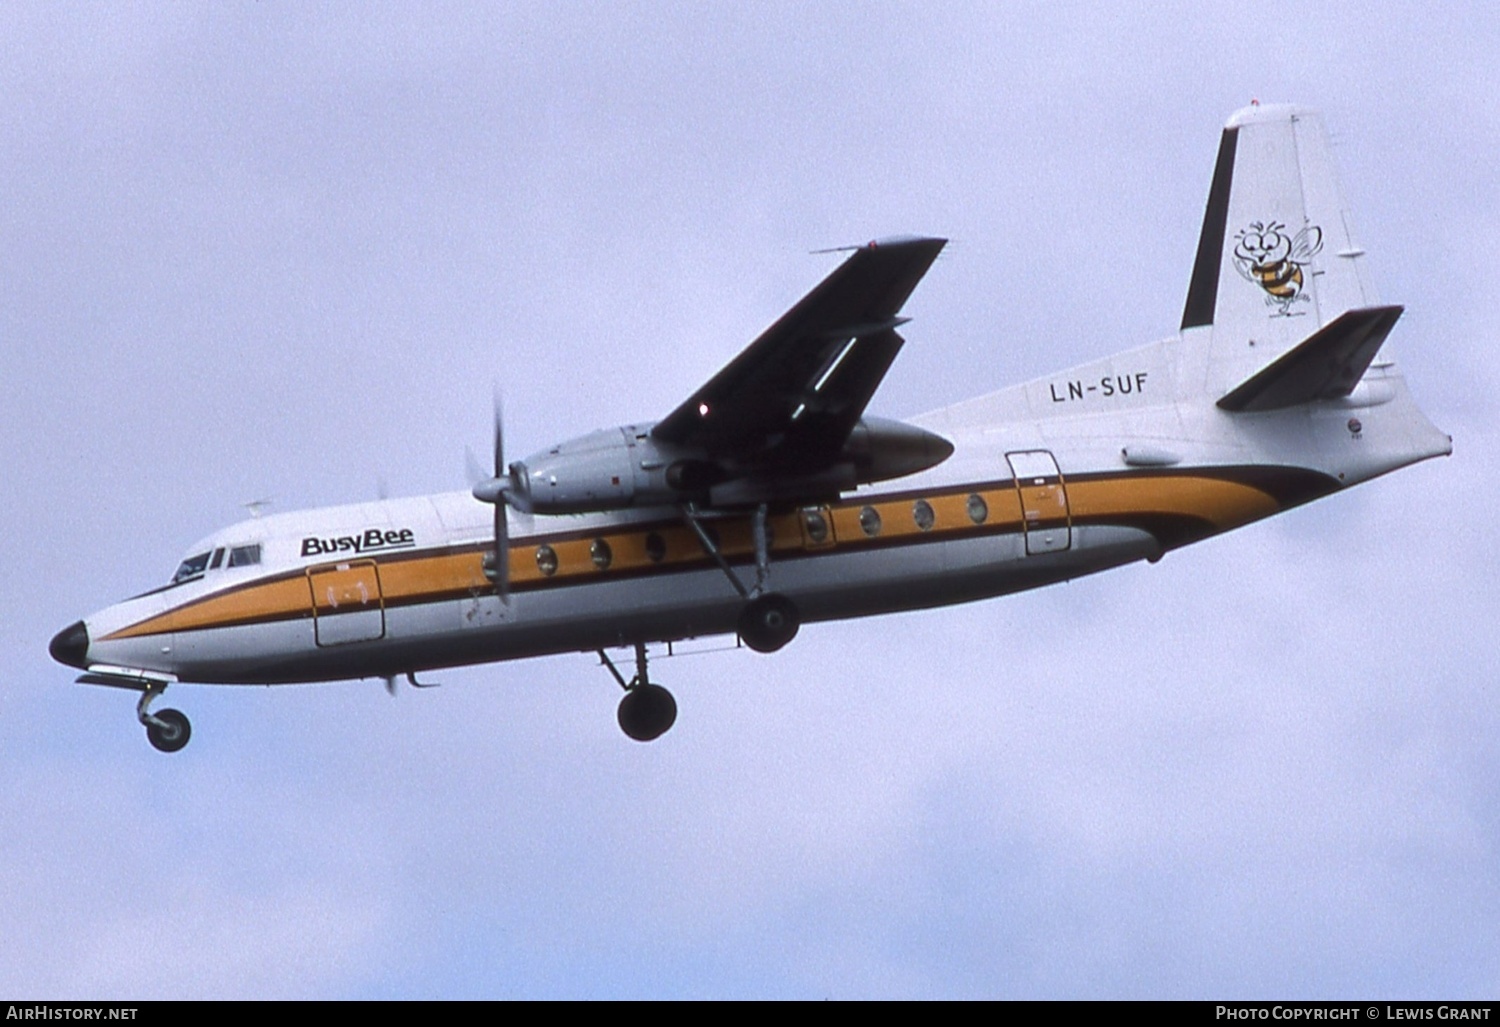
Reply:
x=258, y=506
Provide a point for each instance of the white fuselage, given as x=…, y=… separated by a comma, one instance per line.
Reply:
x=1095, y=467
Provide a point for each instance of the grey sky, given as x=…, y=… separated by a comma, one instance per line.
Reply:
x=259, y=250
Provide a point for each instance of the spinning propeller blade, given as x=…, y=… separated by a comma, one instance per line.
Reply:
x=497, y=491
x=502, y=528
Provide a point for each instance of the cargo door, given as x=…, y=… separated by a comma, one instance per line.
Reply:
x=346, y=602
x=1044, y=501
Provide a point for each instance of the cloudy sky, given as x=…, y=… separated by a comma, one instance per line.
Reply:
x=256, y=251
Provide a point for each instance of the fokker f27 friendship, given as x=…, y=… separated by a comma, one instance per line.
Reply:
x=769, y=499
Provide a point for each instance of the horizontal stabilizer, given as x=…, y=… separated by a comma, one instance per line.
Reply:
x=1325, y=365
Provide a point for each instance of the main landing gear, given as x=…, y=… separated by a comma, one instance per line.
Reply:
x=166, y=730
x=648, y=710
x=768, y=620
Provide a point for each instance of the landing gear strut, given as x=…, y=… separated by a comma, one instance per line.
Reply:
x=648, y=710
x=768, y=620
x=167, y=730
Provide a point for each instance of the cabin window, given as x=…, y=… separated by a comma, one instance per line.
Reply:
x=213, y=564
x=979, y=510
x=244, y=556
x=601, y=554
x=192, y=567
x=656, y=548
x=546, y=560
x=817, y=526
x=869, y=521
x=921, y=513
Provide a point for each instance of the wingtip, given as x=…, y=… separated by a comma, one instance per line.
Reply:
x=889, y=242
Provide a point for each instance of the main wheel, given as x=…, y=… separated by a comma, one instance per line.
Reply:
x=173, y=732
x=646, y=712
x=769, y=622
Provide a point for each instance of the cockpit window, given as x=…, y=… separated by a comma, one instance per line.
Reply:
x=191, y=568
x=244, y=556
x=213, y=564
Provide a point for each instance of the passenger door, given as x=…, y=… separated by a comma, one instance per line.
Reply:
x=346, y=602
x=1044, y=501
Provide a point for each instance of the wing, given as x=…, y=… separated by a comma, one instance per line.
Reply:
x=791, y=399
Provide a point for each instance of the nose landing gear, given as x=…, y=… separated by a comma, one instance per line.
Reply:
x=167, y=730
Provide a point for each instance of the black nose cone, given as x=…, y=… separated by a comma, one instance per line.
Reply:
x=71, y=646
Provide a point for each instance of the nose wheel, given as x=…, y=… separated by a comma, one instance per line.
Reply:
x=167, y=730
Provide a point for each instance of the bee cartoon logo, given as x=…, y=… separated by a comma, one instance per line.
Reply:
x=1266, y=255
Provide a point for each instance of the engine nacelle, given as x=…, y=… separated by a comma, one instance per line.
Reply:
x=603, y=470
x=882, y=449
x=622, y=467
x=877, y=450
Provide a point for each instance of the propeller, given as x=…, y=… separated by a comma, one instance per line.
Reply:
x=499, y=491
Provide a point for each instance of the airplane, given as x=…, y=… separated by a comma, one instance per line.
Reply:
x=769, y=499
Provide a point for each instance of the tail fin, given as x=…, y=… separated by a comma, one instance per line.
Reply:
x=1277, y=258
